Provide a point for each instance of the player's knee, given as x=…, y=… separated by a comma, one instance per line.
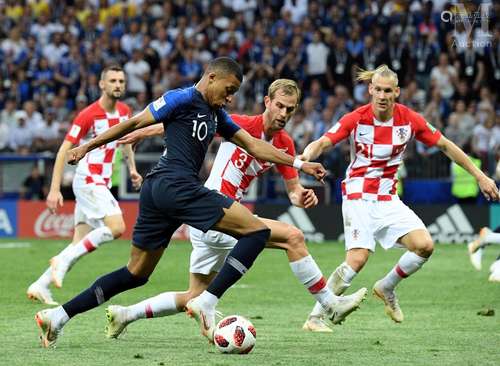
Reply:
x=117, y=229
x=295, y=238
x=425, y=248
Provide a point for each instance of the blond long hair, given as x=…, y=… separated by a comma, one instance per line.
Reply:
x=382, y=70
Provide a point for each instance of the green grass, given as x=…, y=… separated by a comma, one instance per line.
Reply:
x=440, y=303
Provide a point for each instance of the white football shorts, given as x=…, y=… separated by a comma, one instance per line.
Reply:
x=93, y=203
x=209, y=250
x=366, y=222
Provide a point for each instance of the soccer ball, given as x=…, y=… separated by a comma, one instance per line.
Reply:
x=234, y=334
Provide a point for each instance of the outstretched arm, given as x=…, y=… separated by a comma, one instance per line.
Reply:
x=486, y=184
x=265, y=151
x=138, y=135
x=143, y=119
x=316, y=148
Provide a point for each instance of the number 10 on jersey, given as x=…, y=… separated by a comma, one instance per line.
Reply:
x=200, y=130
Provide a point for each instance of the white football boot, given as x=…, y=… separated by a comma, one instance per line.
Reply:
x=316, y=324
x=475, y=248
x=495, y=266
x=336, y=281
x=60, y=266
x=390, y=300
x=117, y=318
x=40, y=293
x=204, y=316
x=49, y=332
x=345, y=305
x=495, y=271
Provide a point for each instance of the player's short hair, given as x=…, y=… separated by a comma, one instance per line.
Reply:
x=112, y=67
x=382, y=70
x=226, y=65
x=287, y=86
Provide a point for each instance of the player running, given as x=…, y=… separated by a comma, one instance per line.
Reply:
x=98, y=217
x=379, y=133
x=172, y=194
x=476, y=248
x=233, y=171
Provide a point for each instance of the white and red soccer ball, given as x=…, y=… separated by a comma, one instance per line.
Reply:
x=234, y=334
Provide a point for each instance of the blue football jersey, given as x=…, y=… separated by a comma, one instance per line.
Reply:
x=190, y=125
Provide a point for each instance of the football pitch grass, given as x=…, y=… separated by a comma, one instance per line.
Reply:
x=440, y=303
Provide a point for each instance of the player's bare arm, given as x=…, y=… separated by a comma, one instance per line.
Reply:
x=486, y=184
x=265, y=151
x=143, y=119
x=300, y=196
x=129, y=155
x=315, y=149
x=55, y=198
x=138, y=135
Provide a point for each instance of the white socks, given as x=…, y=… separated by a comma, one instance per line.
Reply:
x=308, y=273
x=492, y=238
x=346, y=273
x=209, y=299
x=89, y=243
x=160, y=305
x=408, y=264
x=59, y=317
x=46, y=277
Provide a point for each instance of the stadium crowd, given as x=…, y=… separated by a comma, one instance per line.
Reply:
x=52, y=53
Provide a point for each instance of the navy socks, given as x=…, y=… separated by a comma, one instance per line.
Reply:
x=239, y=260
x=102, y=290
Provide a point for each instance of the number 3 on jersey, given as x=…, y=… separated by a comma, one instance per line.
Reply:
x=200, y=130
x=241, y=159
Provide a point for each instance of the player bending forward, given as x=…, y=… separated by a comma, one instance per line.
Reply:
x=98, y=217
x=172, y=194
x=233, y=171
x=379, y=133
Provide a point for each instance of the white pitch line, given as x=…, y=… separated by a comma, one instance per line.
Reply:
x=15, y=245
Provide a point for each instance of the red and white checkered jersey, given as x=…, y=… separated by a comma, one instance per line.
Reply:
x=97, y=166
x=377, y=149
x=234, y=168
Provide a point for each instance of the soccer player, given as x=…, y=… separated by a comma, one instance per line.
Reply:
x=476, y=248
x=98, y=217
x=172, y=194
x=232, y=173
x=379, y=133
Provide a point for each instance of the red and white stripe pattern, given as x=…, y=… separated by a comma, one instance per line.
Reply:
x=234, y=168
x=377, y=149
x=97, y=166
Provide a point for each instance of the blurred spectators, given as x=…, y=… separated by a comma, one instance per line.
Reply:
x=34, y=186
x=52, y=54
